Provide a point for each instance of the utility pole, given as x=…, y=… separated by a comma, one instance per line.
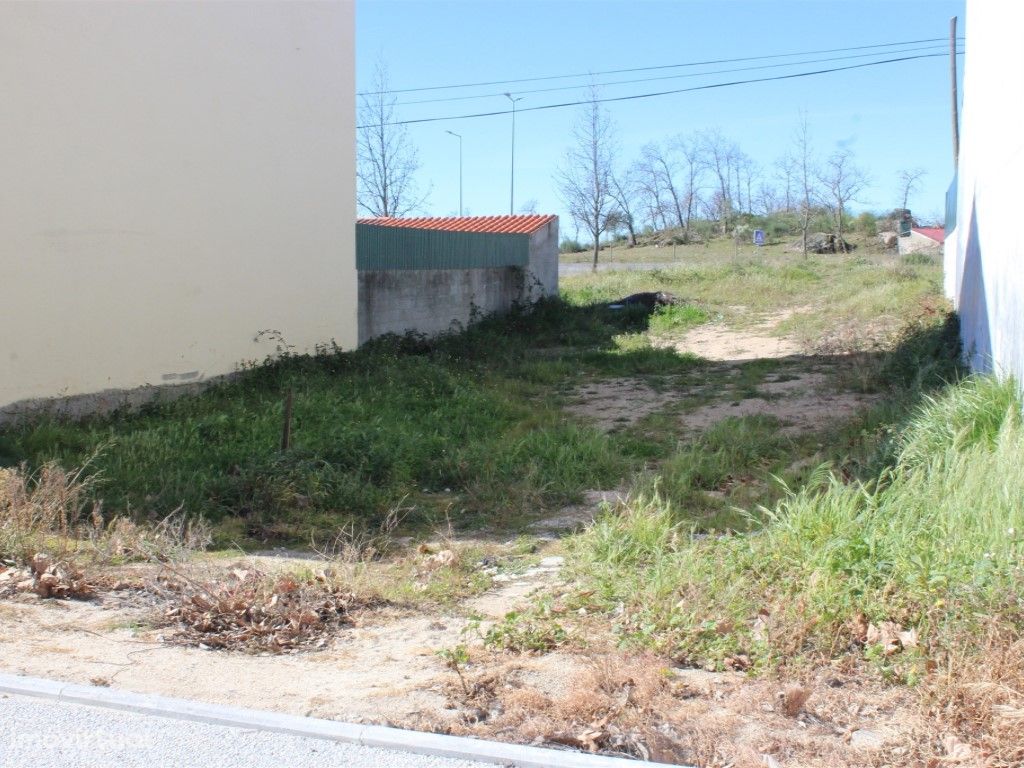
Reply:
x=956, y=107
x=459, y=137
x=512, y=192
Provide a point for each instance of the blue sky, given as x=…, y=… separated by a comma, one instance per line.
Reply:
x=893, y=116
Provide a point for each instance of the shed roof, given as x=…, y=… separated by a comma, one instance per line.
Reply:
x=515, y=225
x=938, y=234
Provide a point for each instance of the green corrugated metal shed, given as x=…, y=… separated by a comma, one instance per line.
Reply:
x=383, y=247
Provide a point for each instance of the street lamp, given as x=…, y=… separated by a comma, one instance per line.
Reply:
x=459, y=137
x=512, y=192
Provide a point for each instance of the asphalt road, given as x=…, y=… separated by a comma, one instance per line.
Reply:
x=36, y=733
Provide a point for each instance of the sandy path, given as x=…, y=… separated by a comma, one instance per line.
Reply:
x=384, y=669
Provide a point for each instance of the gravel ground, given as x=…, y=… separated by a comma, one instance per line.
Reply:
x=35, y=733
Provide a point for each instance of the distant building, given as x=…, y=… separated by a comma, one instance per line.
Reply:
x=922, y=239
x=430, y=275
x=984, y=253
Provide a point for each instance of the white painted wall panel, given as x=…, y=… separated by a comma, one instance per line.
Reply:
x=985, y=254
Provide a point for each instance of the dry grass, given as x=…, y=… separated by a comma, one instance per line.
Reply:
x=977, y=701
x=643, y=706
x=54, y=539
x=47, y=507
x=51, y=511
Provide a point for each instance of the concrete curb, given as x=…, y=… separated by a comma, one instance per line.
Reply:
x=433, y=744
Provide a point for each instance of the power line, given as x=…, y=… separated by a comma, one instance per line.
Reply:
x=651, y=68
x=664, y=93
x=671, y=77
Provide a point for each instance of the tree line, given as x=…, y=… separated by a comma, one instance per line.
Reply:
x=704, y=178
x=684, y=182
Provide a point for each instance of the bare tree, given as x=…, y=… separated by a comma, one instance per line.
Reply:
x=722, y=154
x=769, y=200
x=692, y=167
x=786, y=173
x=387, y=160
x=648, y=182
x=585, y=177
x=910, y=181
x=842, y=181
x=804, y=167
x=624, y=192
x=750, y=173
x=529, y=207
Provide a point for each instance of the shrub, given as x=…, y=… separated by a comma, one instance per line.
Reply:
x=867, y=224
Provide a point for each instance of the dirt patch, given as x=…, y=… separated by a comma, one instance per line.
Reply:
x=382, y=666
x=802, y=403
x=615, y=403
x=576, y=516
x=716, y=341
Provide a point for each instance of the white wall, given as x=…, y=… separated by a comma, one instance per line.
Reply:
x=542, y=272
x=174, y=178
x=985, y=254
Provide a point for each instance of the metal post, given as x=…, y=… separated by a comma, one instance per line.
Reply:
x=459, y=137
x=956, y=107
x=512, y=191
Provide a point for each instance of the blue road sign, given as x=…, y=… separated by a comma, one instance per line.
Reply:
x=758, y=237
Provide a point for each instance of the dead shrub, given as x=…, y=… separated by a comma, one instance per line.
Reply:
x=251, y=611
x=51, y=511
x=354, y=544
x=793, y=700
x=42, y=510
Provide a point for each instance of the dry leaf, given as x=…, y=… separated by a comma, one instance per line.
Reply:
x=885, y=634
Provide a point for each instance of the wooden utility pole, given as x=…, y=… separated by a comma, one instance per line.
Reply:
x=286, y=427
x=952, y=75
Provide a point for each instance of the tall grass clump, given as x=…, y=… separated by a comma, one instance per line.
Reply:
x=934, y=544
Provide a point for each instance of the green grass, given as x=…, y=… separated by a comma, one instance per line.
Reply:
x=467, y=427
x=934, y=543
x=464, y=427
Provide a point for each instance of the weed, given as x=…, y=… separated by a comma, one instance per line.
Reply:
x=518, y=633
x=930, y=544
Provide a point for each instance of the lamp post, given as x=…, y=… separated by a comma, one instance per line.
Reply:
x=512, y=192
x=459, y=137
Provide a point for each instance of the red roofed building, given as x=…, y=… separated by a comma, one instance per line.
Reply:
x=431, y=275
x=521, y=225
x=922, y=239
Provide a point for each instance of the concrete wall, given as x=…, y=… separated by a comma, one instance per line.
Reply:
x=542, y=272
x=177, y=177
x=432, y=301
x=985, y=253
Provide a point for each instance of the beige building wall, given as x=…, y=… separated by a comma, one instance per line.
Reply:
x=175, y=177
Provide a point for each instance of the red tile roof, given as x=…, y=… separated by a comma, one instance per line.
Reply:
x=519, y=225
x=938, y=234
